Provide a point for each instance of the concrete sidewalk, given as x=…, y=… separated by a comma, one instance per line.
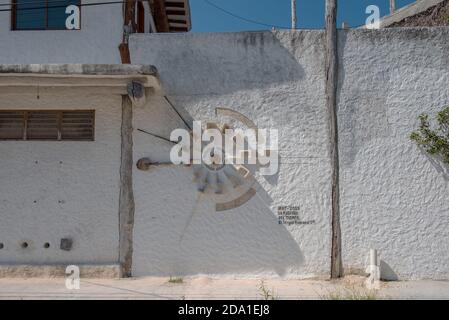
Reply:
x=206, y=288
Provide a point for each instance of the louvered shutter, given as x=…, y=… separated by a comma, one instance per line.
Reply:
x=77, y=125
x=12, y=125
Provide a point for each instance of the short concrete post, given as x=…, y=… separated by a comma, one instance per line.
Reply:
x=373, y=269
x=373, y=257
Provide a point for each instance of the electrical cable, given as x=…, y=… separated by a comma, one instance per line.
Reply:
x=64, y=6
x=177, y=112
x=31, y=2
x=67, y=2
x=246, y=19
x=157, y=136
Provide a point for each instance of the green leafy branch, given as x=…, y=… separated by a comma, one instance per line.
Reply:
x=435, y=142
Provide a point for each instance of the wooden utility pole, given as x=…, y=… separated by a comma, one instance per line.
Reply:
x=392, y=6
x=331, y=65
x=294, y=17
x=126, y=200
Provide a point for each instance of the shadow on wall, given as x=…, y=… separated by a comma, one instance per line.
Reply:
x=200, y=65
x=177, y=231
x=223, y=63
x=364, y=118
x=181, y=234
x=440, y=166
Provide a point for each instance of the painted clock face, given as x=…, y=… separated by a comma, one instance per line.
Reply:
x=224, y=179
x=228, y=185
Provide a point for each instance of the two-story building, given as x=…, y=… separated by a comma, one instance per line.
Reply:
x=66, y=57
x=35, y=31
x=91, y=92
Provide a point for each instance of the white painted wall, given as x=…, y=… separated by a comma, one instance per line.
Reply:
x=52, y=190
x=96, y=42
x=276, y=79
x=394, y=197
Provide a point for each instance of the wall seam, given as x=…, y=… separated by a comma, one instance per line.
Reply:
x=126, y=200
x=331, y=72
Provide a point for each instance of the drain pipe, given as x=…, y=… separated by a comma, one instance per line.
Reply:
x=151, y=18
x=373, y=269
x=373, y=257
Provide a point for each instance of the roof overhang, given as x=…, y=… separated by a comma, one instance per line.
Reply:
x=113, y=76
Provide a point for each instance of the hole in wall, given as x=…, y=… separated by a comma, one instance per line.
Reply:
x=46, y=245
x=66, y=244
x=24, y=245
x=1, y=246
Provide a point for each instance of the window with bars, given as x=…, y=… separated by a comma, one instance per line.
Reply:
x=60, y=125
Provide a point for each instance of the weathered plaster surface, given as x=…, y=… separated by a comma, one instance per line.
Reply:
x=57, y=271
x=96, y=42
x=79, y=69
x=394, y=197
x=53, y=190
x=275, y=79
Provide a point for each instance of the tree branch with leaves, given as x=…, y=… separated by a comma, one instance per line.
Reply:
x=434, y=140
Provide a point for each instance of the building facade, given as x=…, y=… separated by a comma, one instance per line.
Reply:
x=41, y=39
x=86, y=177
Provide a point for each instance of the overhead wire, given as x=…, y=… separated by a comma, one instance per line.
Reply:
x=247, y=19
x=63, y=6
x=31, y=2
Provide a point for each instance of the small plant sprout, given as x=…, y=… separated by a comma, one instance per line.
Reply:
x=177, y=280
x=266, y=293
x=350, y=294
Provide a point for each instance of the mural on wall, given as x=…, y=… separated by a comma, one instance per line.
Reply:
x=225, y=158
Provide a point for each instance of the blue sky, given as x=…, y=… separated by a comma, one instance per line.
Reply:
x=206, y=18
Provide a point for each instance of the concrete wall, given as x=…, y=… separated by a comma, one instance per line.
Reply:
x=53, y=190
x=275, y=79
x=394, y=198
x=96, y=42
